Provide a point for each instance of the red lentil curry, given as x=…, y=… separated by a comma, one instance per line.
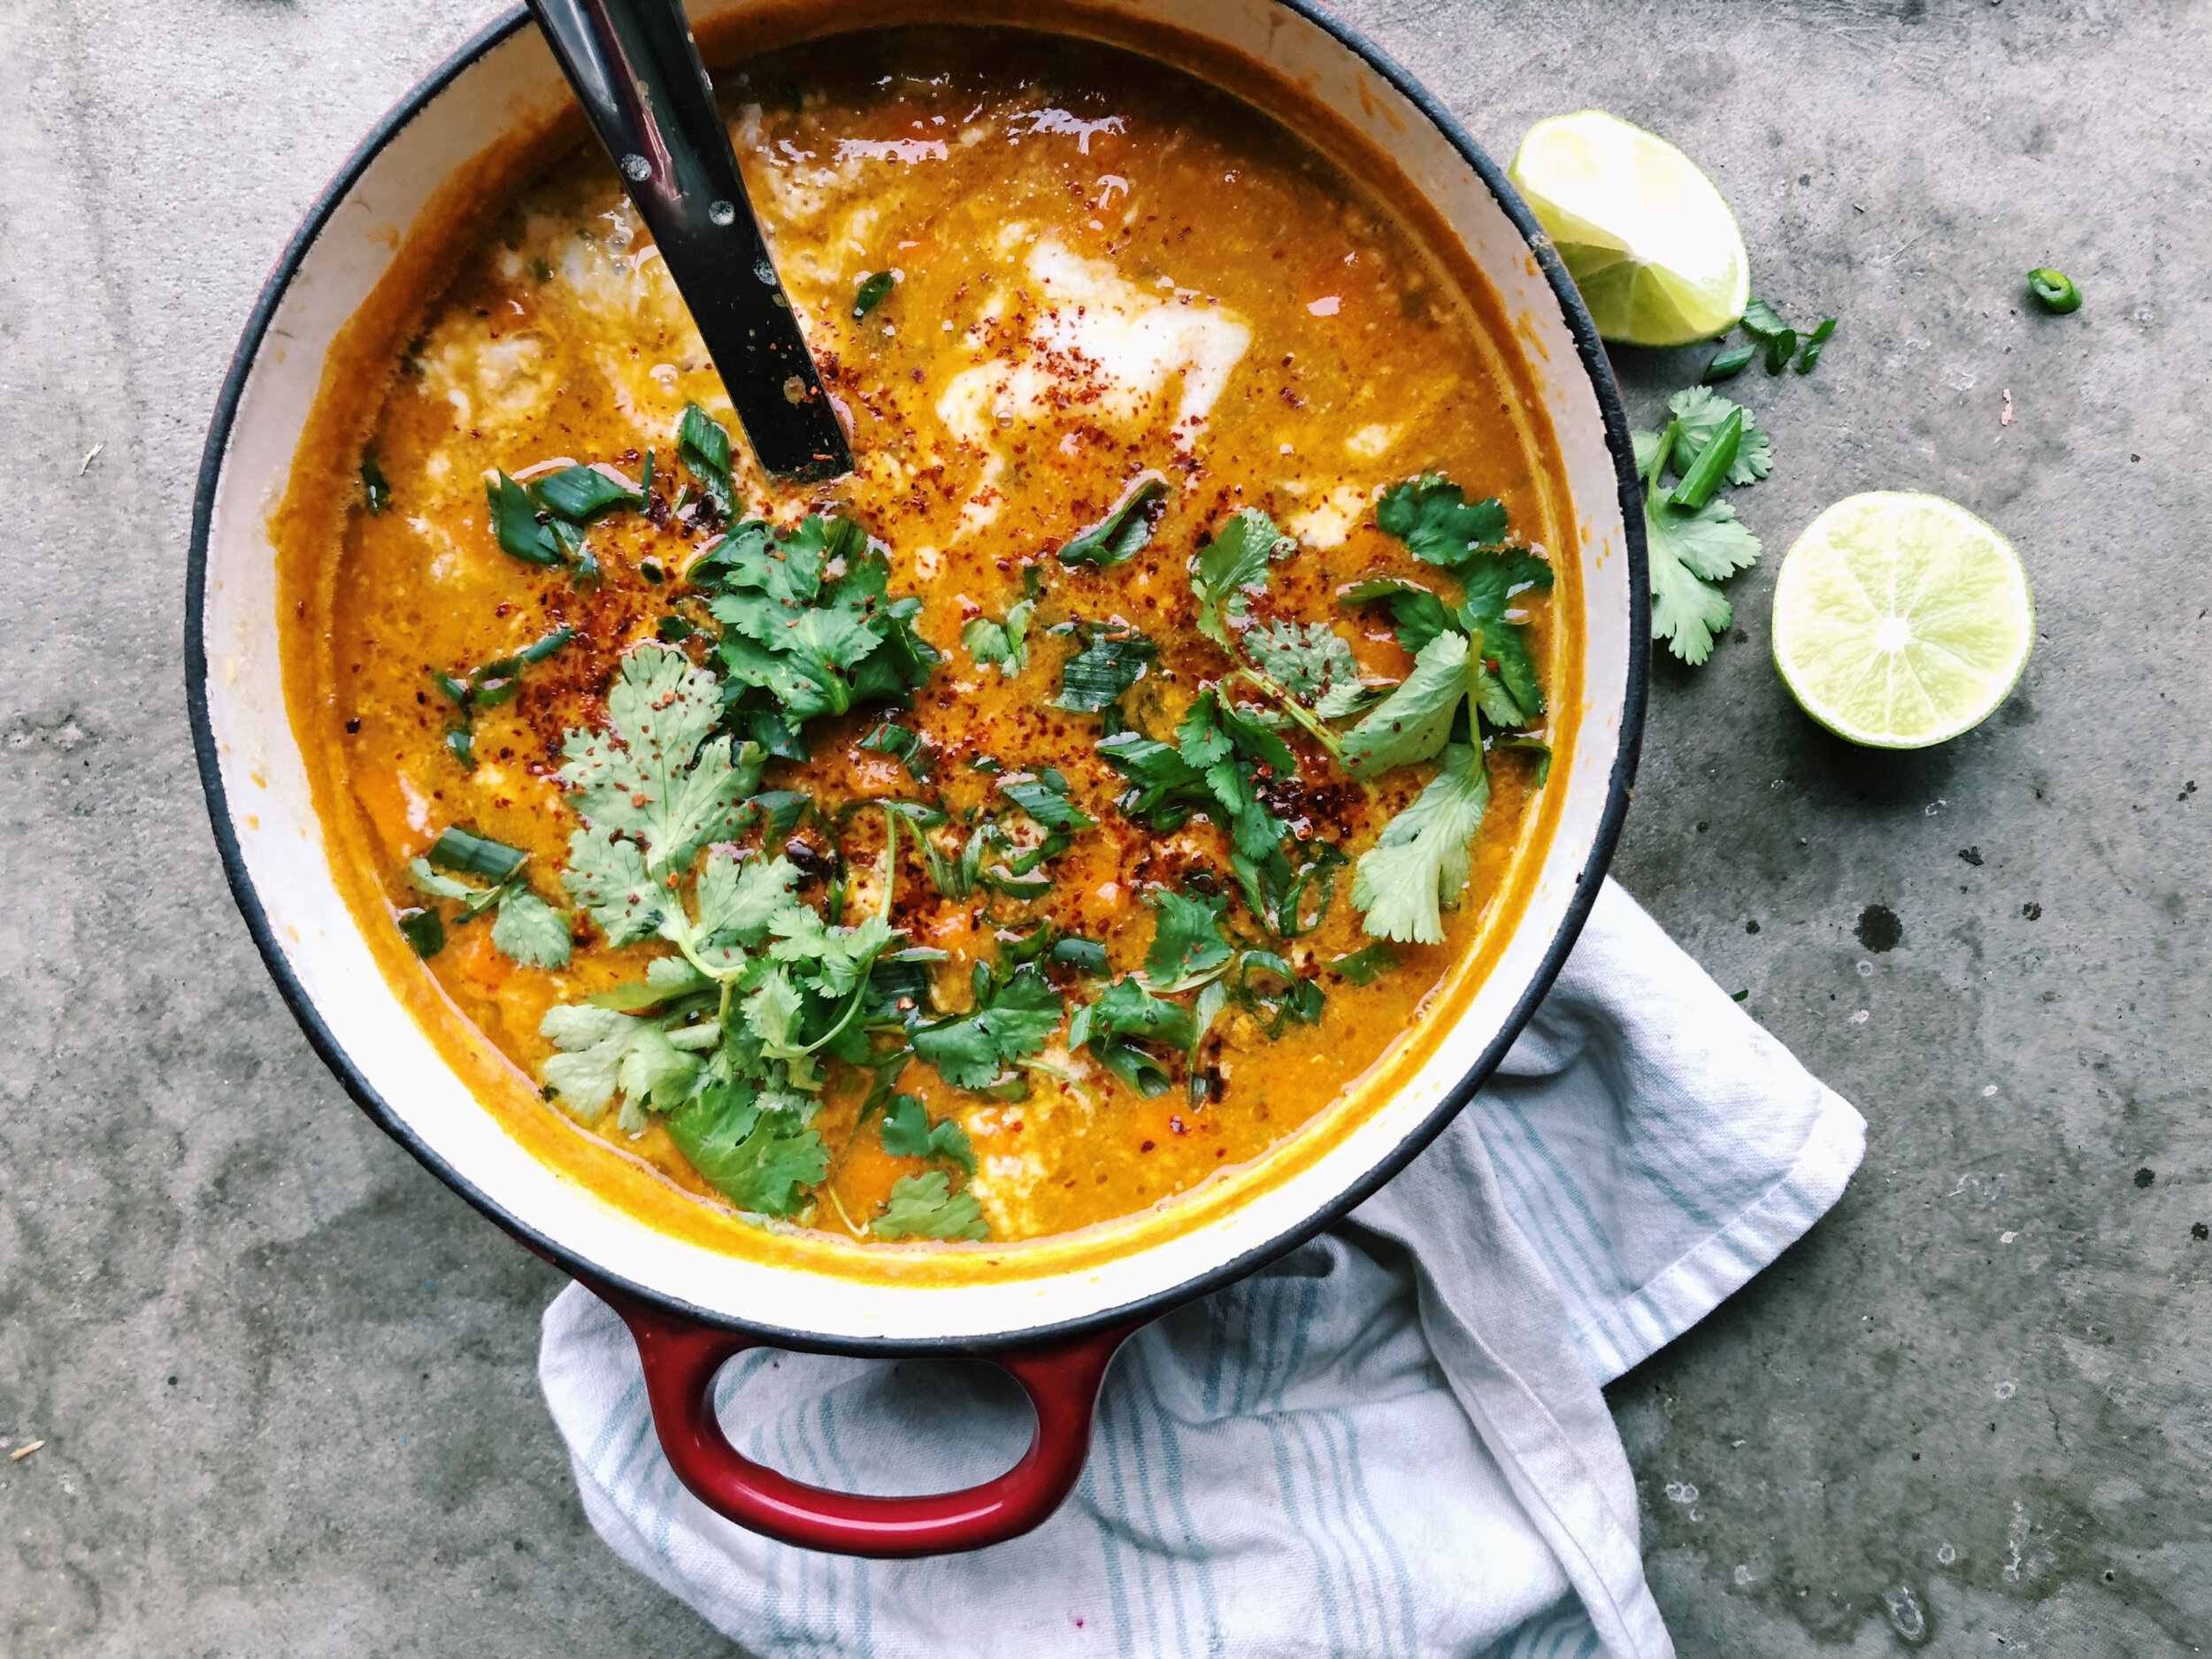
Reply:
x=1118, y=771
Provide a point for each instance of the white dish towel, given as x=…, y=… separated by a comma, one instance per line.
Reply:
x=1390, y=1442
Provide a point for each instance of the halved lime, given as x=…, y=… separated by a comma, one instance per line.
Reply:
x=1646, y=236
x=1901, y=620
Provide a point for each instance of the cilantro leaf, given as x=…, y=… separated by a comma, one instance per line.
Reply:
x=607, y=878
x=906, y=1133
x=1232, y=566
x=755, y=1152
x=580, y=493
x=923, y=1207
x=1124, y=1017
x=703, y=443
x=1689, y=551
x=1013, y=1018
x=1422, y=858
x=1415, y=721
x=1494, y=582
x=1186, y=941
x=657, y=776
x=1309, y=660
x=1433, y=518
x=1688, y=554
x=1125, y=528
x=593, y=1043
x=739, y=899
x=905, y=745
x=530, y=931
x=1112, y=660
x=1702, y=412
x=424, y=930
x=1419, y=614
x=1004, y=643
x=786, y=567
x=514, y=523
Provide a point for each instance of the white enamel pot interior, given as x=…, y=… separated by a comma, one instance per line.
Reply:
x=279, y=866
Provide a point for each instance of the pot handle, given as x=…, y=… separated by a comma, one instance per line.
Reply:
x=682, y=1361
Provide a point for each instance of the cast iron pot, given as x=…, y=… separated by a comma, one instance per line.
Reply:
x=691, y=1308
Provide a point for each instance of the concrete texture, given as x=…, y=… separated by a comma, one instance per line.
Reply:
x=285, y=1379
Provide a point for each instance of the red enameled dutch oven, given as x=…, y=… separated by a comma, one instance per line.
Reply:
x=691, y=1307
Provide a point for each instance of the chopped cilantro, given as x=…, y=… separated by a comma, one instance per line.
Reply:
x=1422, y=860
x=810, y=643
x=1276, y=888
x=1415, y=721
x=1312, y=662
x=1116, y=1027
x=908, y=1132
x=754, y=1149
x=909, y=747
x=1125, y=529
x=1186, y=943
x=1433, y=518
x=1112, y=660
x=873, y=289
x=923, y=1207
x=1013, y=1018
x=1005, y=644
x=424, y=929
x=1231, y=567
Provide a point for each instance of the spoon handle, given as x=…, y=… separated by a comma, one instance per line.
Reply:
x=636, y=71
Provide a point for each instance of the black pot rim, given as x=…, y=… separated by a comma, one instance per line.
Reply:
x=356, y=1081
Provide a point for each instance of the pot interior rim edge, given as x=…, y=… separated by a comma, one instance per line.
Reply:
x=354, y=1079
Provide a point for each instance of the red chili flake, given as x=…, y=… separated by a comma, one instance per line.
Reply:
x=1147, y=1147
x=1178, y=1125
x=640, y=800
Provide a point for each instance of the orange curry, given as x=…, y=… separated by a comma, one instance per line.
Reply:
x=1055, y=813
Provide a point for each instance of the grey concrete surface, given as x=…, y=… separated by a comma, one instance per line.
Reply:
x=285, y=1379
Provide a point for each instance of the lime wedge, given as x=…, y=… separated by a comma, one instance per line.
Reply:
x=1646, y=236
x=1901, y=620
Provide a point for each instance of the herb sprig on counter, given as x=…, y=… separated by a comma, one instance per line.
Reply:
x=1692, y=536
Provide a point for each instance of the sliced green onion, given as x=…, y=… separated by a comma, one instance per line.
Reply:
x=1713, y=462
x=1731, y=363
x=871, y=293
x=2055, y=289
x=457, y=849
x=1814, y=342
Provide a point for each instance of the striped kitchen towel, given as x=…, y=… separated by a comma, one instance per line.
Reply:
x=1391, y=1441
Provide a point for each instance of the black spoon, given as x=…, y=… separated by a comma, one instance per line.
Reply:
x=636, y=71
